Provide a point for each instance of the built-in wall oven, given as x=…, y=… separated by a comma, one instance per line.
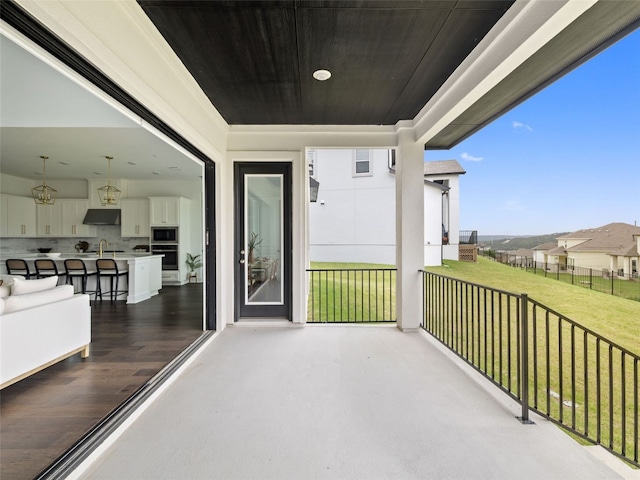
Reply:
x=170, y=252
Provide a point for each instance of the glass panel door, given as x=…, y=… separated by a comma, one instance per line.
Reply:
x=263, y=240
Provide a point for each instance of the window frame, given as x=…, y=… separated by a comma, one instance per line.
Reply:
x=356, y=161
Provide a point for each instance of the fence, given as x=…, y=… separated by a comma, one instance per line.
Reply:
x=468, y=237
x=612, y=282
x=352, y=295
x=544, y=360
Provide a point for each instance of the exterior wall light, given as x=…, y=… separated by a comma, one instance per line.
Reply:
x=314, y=186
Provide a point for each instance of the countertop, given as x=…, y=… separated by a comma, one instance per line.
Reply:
x=82, y=256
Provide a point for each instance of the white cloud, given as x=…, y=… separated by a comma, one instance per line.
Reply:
x=469, y=158
x=521, y=126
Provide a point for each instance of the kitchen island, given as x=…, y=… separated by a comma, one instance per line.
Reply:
x=143, y=281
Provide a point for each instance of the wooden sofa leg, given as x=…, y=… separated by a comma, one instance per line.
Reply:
x=84, y=353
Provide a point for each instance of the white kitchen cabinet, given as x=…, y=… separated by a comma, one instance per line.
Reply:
x=18, y=216
x=171, y=277
x=166, y=210
x=72, y=212
x=134, y=217
x=172, y=212
x=49, y=220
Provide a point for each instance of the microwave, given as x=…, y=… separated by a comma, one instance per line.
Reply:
x=164, y=234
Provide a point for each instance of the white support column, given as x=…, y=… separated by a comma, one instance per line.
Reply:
x=409, y=230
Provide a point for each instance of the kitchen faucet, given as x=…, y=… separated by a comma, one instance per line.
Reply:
x=106, y=244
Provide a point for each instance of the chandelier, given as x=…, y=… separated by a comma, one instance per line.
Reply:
x=44, y=194
x=109, y=195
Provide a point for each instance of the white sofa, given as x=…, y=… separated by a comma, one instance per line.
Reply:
x=40, y=324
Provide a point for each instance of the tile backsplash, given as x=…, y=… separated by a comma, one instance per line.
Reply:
x=111, y=233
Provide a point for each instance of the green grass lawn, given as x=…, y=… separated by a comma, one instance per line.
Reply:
x=629, y=289
x=615, y=318
x=351, y=292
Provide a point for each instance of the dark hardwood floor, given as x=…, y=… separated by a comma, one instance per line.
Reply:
x=46, y=413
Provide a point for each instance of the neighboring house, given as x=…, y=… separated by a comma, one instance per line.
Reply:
x=353, y=219
x=441, y=201
x=614, y=247
x=519, y=257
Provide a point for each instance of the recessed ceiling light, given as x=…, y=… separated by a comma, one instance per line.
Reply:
x=322, y=75
x=132, y=163
x=64, y=163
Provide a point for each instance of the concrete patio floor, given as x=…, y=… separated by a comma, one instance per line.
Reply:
x=336, y=402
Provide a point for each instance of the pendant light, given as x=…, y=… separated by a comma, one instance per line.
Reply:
x=109, y=195
x=44, y=194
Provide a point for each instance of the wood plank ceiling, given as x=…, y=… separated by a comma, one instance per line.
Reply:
x=255, y=59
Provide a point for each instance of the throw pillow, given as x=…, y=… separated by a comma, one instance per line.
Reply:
x=21, y=302
x=22, y=287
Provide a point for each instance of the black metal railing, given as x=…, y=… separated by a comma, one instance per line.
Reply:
x=615, y=282
x=352, y=295
x=468, y=237
x=547, y=362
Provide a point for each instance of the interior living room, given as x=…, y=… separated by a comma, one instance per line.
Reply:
x=135, y=337
x=235, y=93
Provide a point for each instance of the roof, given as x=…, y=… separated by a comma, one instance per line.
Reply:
x=521, y=252
x=546, y=246
x=556, y=251
x=613, y=239
x=443, y=167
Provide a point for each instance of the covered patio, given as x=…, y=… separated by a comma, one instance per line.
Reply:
x=336, y=402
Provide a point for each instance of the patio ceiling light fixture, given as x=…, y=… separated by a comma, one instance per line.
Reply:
x=44, y=194
x=322, y=75
x=109, y=195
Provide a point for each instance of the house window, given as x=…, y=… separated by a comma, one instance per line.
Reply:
x=362, y=163
x=311, y=162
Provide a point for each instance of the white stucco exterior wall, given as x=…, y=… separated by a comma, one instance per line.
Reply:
x=353, y=219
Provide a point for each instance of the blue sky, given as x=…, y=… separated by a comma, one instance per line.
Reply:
x=566, y=159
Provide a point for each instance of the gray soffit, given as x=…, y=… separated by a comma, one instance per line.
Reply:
x=598, y=28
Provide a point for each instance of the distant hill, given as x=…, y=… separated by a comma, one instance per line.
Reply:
x=499, y=242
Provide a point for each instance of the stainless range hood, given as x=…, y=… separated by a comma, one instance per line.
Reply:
x=106, y=216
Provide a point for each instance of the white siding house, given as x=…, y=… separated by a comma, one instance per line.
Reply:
x=353, y=219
